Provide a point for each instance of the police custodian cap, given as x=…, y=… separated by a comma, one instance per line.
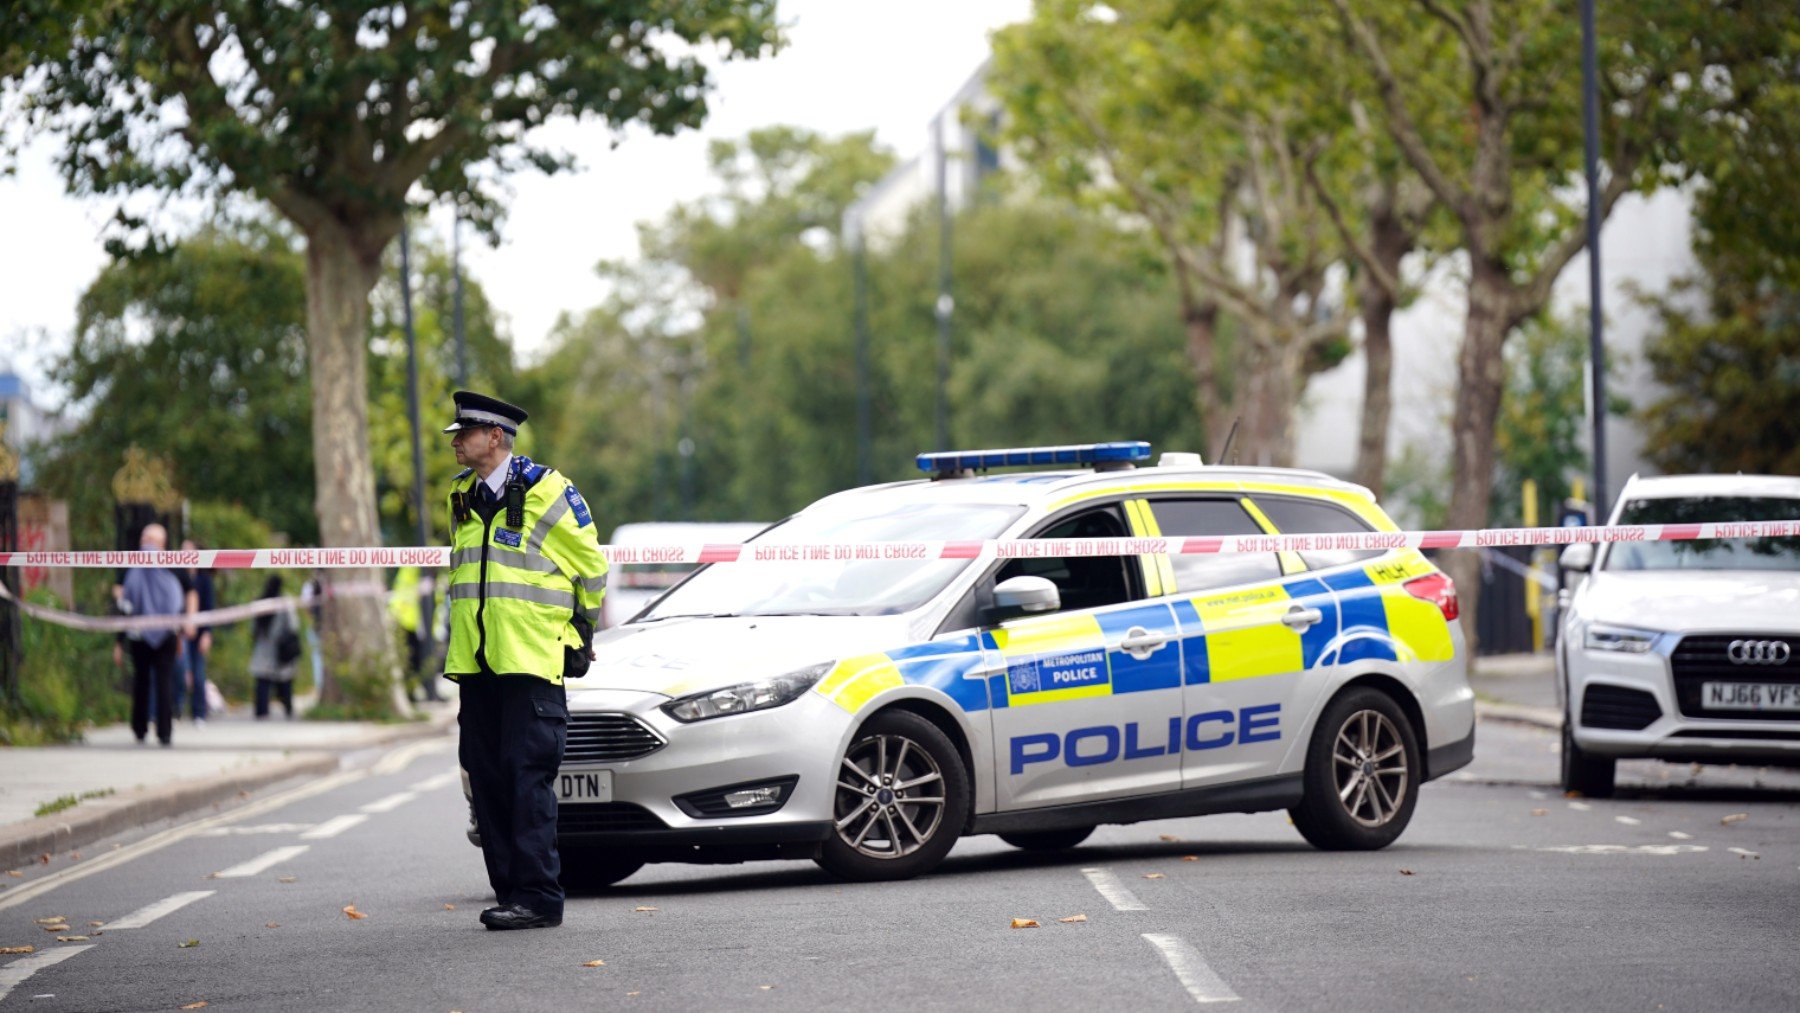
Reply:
x=474, y=410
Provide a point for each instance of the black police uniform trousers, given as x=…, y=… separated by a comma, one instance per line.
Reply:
x=513, y=731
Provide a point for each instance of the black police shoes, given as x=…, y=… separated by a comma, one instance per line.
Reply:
x=517, y=916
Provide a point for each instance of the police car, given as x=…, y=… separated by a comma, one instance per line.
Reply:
x=1683, y=650
x=866, y=713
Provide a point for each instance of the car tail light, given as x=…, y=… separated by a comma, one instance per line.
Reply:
x=1438, y=590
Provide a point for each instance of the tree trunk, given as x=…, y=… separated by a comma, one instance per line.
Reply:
x=1480, y=383
x=1389, y=245
x=340, y=274
x=1200, y=317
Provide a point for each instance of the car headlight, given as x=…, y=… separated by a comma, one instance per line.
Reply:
x=1618, y=638
x=751, y=696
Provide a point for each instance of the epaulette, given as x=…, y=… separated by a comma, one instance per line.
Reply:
x=465, y=473
x=529, y=471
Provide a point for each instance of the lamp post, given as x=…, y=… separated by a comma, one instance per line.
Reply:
x=1590, y=113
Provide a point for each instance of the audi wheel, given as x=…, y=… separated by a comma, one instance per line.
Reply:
x=901, y=800
x=1362, y=774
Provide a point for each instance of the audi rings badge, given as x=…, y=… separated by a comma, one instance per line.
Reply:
x=1759, y=652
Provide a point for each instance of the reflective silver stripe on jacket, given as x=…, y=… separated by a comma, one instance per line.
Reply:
x=594, y=585
x=521, y=592
x=546, y=522
x=507, y=557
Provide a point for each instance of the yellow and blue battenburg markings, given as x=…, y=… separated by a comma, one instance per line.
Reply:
x=1381, y=621
x=1240, y=635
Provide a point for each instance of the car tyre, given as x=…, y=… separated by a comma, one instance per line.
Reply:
x=586, y=869
x=1362, y=774
x=1048, y=840
x=901, y=801
x=1583, y=771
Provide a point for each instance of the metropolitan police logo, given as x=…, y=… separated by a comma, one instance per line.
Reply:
x=1023, y=678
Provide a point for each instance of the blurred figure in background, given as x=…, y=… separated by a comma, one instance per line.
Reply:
x=275, y=647
x=312, y=597
x=155, y=654
x=403, y=608
x=197, y=645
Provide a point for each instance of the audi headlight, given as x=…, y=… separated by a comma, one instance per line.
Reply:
x=751, y=696
x=1618, y=638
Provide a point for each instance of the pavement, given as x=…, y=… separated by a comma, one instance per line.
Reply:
x=118, y=784
x=1517, y=687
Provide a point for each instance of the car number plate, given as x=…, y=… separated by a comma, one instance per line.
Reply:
x=584, y=786
x=1751, y=696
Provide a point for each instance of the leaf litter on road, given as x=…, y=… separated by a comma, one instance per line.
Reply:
x=8, y=951
x=353, y=914
x=1726, y=821
x=71, y=939
x=189, y=944
x=1024, y=923
x=196, y=1005
x=594, y=963
x=642, y=908
x=1072, y=919
x=1153, y=875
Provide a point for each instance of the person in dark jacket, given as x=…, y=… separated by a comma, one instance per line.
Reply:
x=274, y=676
x=155, y=654
x=195, y=648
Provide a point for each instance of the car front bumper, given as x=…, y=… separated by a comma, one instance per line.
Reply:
x=1636, y=681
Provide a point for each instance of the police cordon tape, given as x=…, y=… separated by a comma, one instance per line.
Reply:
x=438, y=557
x=209, y=618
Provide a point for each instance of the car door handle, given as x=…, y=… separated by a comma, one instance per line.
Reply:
x=1140, y=643
x=1302, y=619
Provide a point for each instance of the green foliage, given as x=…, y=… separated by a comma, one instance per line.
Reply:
x=1541, y=434
x=1732, y=369
x=67, y=681
x=62, y=802
x=197, y=355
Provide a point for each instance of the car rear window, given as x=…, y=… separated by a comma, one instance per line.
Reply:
x=1312, y=517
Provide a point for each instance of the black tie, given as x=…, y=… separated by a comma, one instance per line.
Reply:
x=483, y=493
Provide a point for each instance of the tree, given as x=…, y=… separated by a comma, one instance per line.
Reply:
x=1169, y=112
x=333, y=113
x=1502, y=151
x=197, y=351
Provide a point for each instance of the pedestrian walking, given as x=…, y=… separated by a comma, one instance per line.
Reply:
x=526, y=581
x=274, y=648
x=155, y=654
x=196, y=648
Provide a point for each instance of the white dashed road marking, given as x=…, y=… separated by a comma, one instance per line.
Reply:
x=15, y=973
x=1191, y=969
x=151, y=912
x=1678, y=835
x=1114, y=891
x=333, y=827
x=260, y=828
x=392, y=802
x=1628, y=821
x=444, y=780
x=261, y=863
x=1742, y=851
x=1580, y=807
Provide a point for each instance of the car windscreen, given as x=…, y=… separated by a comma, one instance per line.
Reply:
x=840, y=587
x=1708, y=553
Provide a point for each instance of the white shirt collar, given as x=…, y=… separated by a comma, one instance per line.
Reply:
x=496, y=480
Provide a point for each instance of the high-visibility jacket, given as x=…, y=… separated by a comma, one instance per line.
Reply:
x=515, y=591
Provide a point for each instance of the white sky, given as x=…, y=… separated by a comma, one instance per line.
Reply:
x=886, y=64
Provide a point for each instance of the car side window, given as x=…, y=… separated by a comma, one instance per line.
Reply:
x=1184, y=518
x=1083, y=582
x=1312, y=517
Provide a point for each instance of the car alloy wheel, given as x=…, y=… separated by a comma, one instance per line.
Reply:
x=890, y=797
x=1369, y=766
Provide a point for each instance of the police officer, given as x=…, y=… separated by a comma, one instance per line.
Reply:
x=526, y=581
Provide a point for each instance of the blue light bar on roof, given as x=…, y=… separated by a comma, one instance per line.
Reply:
x=1083, y=454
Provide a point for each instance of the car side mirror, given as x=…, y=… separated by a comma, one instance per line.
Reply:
x=1017, y=596
x=1578, y=557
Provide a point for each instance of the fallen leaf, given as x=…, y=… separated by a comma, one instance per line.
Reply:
x=629, y=994
x=1733, y=818
x=288, y=879
x=271, y=925
x=1024, y=923
x=56, y=928
x=71, y=939
x=1407, y=872
x=355, y=915
x=644, y=909
x=196, y=1005
x=449, y=907
x=190, y=944
x=11, y=950
x=1169, y=837
x=16, y=874
x=1072, y=919
x=44, y=859
x=595, y=963
x=95, y=925
x=1573, y=794
x=765, y=988
x=74, y=856
x=1153, y=875
x=52, y=920
x=1190, y=858
x=1540, y=812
